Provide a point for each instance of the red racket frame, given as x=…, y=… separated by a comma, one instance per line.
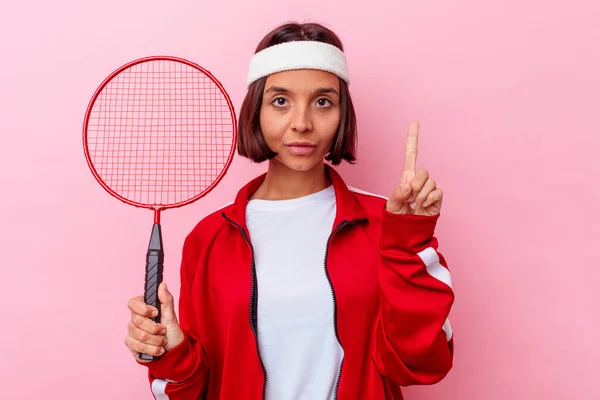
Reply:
x=158, y=209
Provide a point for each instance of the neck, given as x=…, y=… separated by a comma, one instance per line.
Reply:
x=283, y=183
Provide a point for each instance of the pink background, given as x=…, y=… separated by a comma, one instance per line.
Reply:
x=507, y=94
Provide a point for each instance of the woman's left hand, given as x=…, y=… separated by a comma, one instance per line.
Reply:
x=417, y=193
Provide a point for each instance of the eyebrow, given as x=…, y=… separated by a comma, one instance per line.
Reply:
x=278, y=89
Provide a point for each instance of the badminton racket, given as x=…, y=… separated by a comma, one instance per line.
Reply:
x=159, y=133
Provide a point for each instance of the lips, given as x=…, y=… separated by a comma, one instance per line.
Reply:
x=301, y=148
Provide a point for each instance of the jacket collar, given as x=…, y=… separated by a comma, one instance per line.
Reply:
x=347, y=208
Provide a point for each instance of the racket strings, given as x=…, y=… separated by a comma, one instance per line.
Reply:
x=160, y=133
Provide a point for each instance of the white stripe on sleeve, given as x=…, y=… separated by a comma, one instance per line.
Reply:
x=159, y=387
x=431, y=260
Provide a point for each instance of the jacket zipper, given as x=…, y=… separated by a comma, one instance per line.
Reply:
x=253, y=297
x=337, y=228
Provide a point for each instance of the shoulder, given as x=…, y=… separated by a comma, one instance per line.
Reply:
x=208, y=227
x=373, y=203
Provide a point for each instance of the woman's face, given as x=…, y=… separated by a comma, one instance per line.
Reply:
x=300, y=115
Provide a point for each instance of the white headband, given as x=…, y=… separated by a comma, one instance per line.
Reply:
x=298, y=55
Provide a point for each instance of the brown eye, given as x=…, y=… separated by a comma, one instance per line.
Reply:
x=279, y=102
x=324, y=102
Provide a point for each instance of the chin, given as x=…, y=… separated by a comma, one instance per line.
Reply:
x=300, y=164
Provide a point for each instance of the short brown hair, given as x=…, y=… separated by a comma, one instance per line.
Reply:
x=251, y=143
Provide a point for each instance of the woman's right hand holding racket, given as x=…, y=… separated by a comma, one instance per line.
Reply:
x=145, y=335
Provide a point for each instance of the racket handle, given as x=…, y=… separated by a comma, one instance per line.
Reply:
x=154, y=276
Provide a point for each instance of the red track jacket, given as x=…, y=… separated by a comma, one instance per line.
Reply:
x=391, y=292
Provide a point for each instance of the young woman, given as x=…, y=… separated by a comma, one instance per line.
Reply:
x=304, y=288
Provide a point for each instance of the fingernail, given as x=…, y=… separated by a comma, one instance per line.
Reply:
x=163, y=331
x=154, y=313
x=162, y=350
x=411, y=198
x=413, y=205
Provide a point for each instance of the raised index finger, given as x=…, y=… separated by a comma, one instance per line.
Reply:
x=410, y=150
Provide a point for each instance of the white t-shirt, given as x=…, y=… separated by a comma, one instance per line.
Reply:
x=296, y=334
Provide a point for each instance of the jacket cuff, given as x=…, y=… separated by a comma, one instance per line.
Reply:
x=407, y=232
x=176, y=364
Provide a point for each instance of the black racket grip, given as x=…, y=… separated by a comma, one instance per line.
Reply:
x=154, y=276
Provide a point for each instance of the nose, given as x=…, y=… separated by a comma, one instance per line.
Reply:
x=301, y=119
